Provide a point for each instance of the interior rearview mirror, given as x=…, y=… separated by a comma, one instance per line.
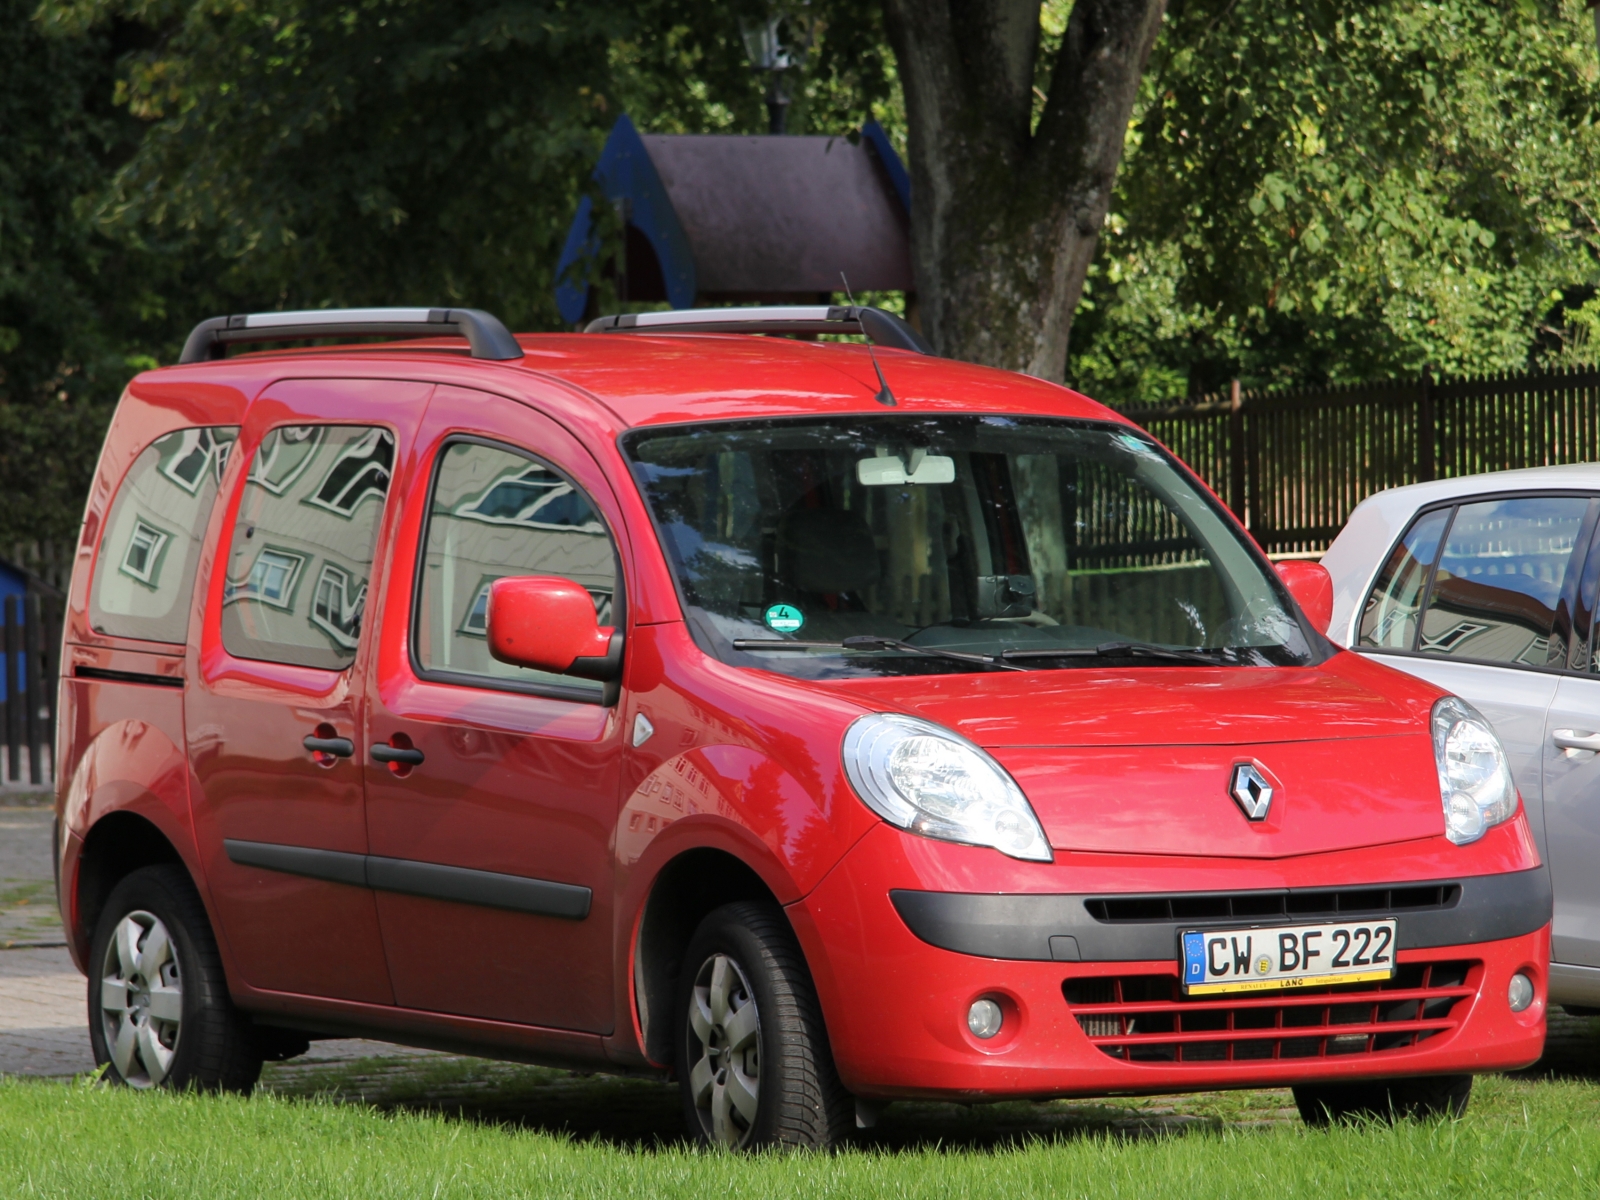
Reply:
x=1312, y=588
x=548, y=623
x=917, y=467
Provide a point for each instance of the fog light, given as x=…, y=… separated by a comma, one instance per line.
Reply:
x=1519, y=994
x=983, y=1018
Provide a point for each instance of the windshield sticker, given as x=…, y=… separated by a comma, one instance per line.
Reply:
x=1138, y=445
x=784, y=618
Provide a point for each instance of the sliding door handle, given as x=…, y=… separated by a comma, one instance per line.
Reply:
x=337, y=746
x=1576, y=739
x=409, y=755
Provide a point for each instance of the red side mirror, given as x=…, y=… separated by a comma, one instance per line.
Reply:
x=1312, y=587
x=548, y=623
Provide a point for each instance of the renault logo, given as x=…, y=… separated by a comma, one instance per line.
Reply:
x=1252, y=791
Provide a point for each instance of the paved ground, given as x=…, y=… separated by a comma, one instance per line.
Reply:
x=43, y=1007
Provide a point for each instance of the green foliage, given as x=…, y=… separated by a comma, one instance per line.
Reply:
x=1334, y=191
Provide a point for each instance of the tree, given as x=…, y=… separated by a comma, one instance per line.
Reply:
x=1337, y=191
x=1010, y=195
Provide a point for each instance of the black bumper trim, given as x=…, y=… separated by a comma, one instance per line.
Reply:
x=1027, y=927
x=435, y=881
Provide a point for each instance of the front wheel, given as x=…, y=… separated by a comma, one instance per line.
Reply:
x=1384, y=1099
x=159, y=1012
x=754, y=1067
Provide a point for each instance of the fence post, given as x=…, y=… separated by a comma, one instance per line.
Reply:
x=1236, y=460
x=1425, y=433
x=34, y=691
x=50, y=665
x=15, y=700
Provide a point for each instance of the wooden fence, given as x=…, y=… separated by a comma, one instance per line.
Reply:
x=1293, y=464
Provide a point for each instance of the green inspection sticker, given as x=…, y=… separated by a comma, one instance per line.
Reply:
x=784, y=618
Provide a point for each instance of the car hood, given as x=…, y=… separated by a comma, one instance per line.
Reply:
x=1139, y=760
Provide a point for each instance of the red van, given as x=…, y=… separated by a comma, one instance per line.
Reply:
x=824, y=723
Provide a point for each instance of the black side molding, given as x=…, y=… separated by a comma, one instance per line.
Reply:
x=1059, y=927
x=336, y=866
x=110, y=676
x=491, y=889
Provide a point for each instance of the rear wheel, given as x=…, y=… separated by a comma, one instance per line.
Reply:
x=1385, y=1099
x=159, y=1012
x=754, y=1066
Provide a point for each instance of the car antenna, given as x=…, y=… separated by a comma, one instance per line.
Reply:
x=884, y=396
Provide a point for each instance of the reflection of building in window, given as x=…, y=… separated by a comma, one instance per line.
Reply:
x=336, y=607
x=190, y=452
x=1537, y=654
x=284, y=454
x=360, y=471
x=142, y=559
x=1452, y=637
x=271, y=579
x=477, y=618
x=534, y=497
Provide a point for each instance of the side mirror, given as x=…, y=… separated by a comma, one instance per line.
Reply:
x=548, y=623
x=1312, y=588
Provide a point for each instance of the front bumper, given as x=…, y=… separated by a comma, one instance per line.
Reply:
x=1112, y=1020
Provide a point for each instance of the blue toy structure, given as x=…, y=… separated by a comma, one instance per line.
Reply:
x=714, y=218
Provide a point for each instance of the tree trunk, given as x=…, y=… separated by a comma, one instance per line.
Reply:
x=1005, y=217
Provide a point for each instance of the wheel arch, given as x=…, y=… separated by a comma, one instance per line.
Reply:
x=686, y=889
x=115, y=846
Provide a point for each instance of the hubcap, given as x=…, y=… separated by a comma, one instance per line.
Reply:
x=141, y=999
x=725, y=1047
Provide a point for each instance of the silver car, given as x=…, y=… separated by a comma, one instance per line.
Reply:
x=1486, y=586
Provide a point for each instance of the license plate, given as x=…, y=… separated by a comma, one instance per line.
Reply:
x=1289, y=956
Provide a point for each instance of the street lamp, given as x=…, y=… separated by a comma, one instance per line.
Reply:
x=776, y=45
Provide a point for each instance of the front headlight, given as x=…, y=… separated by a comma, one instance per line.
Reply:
x=928, y=780
x=1474, y=776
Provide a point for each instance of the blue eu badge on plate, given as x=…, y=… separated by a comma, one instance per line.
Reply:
x=784, y=618
x=1194, y=958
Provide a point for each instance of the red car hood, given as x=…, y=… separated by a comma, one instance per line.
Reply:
x=1139, y=760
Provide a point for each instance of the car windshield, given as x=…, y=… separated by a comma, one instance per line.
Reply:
x=922, y=544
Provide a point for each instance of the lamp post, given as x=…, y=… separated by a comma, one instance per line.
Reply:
x=776, y=45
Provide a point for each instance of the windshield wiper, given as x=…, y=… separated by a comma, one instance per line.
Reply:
x=872, y=642
x=1121, y=650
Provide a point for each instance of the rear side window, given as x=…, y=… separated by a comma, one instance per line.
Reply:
x=496, y=512
x=302, y=546
x=1491, y=595
x=144, y=573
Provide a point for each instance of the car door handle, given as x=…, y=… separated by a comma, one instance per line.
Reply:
x=1573, y=739
x=337, y=746
x=409, y=755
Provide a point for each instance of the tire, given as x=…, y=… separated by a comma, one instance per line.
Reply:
x=159, y=1012
x=1420, y=1097
x=766, y=1078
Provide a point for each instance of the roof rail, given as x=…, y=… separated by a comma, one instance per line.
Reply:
x=483, y=331
x=883, y=328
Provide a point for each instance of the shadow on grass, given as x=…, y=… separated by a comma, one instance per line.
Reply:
x=1571, y=1050
x=646, y=1113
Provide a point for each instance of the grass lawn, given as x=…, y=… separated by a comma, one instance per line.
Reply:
x=449, y=1127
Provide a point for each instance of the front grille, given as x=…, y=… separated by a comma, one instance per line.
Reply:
x=1146, y=1018
x=1331, y=902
